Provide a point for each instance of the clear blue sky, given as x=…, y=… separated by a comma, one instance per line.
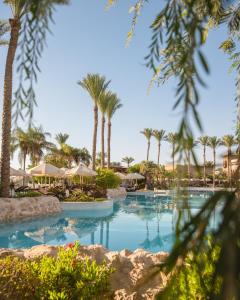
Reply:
x=88, y=39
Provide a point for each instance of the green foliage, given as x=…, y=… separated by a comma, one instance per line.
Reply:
x=35, y=17
x=28, y=194
x=78, y=196
x=134, y=169
x=63, y=277
x=18, y=280
x=59, y=192
x=107, y=179
x=194, y=279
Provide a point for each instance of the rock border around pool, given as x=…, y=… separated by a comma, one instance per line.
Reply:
x=15, y=209
x=136, y=274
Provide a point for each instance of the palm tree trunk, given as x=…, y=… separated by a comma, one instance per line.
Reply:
x=189, y=165
x=7, y=108
x=148, y=149
x=214, y=163
x=94, y=145
x=24, y=161
x=173, y=157
x=109, y=144
x=159, y=148
x=102, y=138
x=204, y=164
x=229, y=167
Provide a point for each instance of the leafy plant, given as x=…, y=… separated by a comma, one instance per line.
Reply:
x=64, y=277
x=107, y=179
x=188, y=282
x=28, y=194
x=81, y=196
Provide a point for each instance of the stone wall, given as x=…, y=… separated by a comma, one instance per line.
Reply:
x=136, y=276
x=116, y=193
x=13, y=209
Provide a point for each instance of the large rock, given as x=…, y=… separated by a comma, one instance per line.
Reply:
x=136, y=274
x=13, y=209
x=119, y=192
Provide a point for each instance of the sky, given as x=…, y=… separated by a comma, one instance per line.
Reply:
x=88, y=39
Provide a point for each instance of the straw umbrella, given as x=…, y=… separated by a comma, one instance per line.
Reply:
x=134, y=176
x=46, y=170
x=121, y=175
x=81, y=170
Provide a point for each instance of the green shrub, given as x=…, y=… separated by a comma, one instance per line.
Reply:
x=59, y=192
x=28, y=194
x=79, y=196
x=194, y=279
x=134, y=169
x=63, y=277
x=17, y=279
x=107, y=179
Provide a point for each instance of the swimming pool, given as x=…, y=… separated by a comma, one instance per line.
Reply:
x=143, y=221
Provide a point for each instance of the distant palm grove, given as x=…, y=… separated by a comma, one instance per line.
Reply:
x=188, y=145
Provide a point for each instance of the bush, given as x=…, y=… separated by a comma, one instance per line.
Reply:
x=17, y=279
x=64, y=277
x=107, y=179
x=27, y=194
x=90, y=196
x=134, y=169
x=59, y=192
x=194, y=279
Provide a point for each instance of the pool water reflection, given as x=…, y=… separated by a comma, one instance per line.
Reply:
x=137, y=222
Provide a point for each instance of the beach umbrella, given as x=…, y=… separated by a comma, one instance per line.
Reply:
x=121, y=175
x=45, y=169
x=19, y=173
x=81, y=170
x=134, y=176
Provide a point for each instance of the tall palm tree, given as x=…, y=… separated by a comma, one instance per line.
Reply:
x=147, y=132
x=228, y=141
x=188, y=145
x=39, y=143
x=113, y=105
x=61, y=138
x=159, y=136
x=104, y=99
x=17, y=7
x=128, y=160
x=95, y=85
x=213, y=143
x=203, y=140
x=21, y=140
x=172, y=138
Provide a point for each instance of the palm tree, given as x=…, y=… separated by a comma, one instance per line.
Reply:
x=17, y=10
x=214, y=142
x=104, y=99
x=203, y=140
x=21, y=140
x=113, y=105
x=128, y=160
x=172, y=138
x=147, y=132
x=188, y=145
x=229, y=141
x=95, y=85
x=159, y=136
x=39, y=143
x=61, y=138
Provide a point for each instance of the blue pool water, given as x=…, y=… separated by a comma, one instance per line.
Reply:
x=137, y=222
